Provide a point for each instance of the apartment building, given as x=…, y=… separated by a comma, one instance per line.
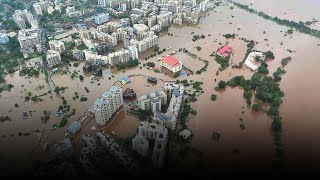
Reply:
x=21, y=18
x=101, y=18
x=103, y=108
x=57, y=46
x=151, y=131
x=133, y=52
x=172, y=64
x=53, y=58
x=41, y=7
x=29, y=39
x=152, y=101
x=146, y=43
x=140, y=145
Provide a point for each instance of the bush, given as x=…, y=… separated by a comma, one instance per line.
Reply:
x=150, y=64
x=285, y=61
x=82, y=99
x=81, y=78
x=213, y=97
x=257, y=107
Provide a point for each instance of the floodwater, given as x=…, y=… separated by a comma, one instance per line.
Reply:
x=300, y=110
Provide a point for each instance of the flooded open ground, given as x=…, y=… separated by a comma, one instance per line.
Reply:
x=300, y=109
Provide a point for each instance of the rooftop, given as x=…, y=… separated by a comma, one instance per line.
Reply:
x=171, y=61
x=185, y=133
x=225, y=51
x=161, y=116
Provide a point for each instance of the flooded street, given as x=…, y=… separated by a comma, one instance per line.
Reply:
x=300, y=109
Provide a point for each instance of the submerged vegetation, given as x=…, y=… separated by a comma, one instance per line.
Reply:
x=299, y=26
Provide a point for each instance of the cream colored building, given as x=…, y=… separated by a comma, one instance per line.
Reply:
x=103, y=108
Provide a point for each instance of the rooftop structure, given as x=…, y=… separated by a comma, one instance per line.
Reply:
x=74, y=127
x=103, y=108
x=172, y=64
x=225, y=51
x=185, y=134
x=4, y=38
x=250, y=60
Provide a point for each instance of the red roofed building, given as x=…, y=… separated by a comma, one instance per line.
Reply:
x=171, y=63
x=225, y=51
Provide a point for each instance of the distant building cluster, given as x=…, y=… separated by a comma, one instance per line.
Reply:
x=104, y=107
x=157, y=130
x=72, y=12
x=29, y=40
x=4, y=38
x=101, y=18
x=42, y=7
x=24, y=18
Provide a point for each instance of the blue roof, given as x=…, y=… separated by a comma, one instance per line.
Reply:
x=155, y=100
x=183, y=73
x=161, y=116
x=176, y=92
x=106, y=94
x=98, y=101
x=74, y=127
x=125, y=78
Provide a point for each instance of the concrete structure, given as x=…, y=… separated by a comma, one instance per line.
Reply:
x=250, y=61
x=152, y=101
x=41, y=7
x=148, y=42
x=101, y=18
x=104, y=107
x=103, y=3
x=53, y=58
x=4, y=38
x=185, y=134
x=62, y=150
x=23, y=17
x=225, y=51
x=140, y=145
x=120, y=155
x=159, y=148
x=169, y=119
x=29, y=40
x=172, y=64
x=74, y=127
x=133, y=52
x=57, y=46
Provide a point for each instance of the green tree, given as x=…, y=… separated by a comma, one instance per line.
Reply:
x=257, y=107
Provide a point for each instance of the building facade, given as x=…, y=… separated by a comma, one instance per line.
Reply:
x=172, y=64
x=104, y=107
x=57, y=46
x=53, y=58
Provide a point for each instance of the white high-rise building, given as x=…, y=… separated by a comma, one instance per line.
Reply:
x=29, y=39
x=21, y=17
x=53, y=58
x=101, y=18
x=159, y=148
x=41, y=7
x=57, y=46
x=148, y=42
x=103, y=3
x=37, y=8
x=152, y=101
x=133, y=52
x=104, y=107
x=140, y=145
